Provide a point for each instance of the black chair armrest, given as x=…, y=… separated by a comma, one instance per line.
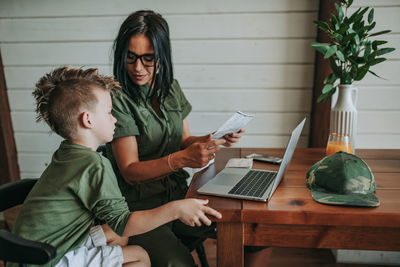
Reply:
x=17, y=249
x=14, y=193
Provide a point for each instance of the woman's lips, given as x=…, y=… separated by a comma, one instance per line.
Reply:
x=139, y=77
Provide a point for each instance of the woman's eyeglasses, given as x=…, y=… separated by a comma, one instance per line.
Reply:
x=146, y=59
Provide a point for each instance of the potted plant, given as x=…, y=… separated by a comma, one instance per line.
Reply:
x=351, y=53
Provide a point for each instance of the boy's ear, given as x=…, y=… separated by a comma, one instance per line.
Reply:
x=86, y=120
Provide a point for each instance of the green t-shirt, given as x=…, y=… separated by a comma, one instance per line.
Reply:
x=156, y=137
x=78, y=186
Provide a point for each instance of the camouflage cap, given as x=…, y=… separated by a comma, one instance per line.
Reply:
x=342, y=179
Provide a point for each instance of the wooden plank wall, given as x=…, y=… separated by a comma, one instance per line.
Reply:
x=253, y=56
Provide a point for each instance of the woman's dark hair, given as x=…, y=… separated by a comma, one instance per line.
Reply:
x=154, y=27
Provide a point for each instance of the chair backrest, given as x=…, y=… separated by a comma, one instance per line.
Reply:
x=13, y=247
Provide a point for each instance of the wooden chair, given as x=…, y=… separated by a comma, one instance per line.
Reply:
x=13, y=247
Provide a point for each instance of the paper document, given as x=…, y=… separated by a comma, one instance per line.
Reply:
x=200, y=169
x=233, y=124
x=239, y=163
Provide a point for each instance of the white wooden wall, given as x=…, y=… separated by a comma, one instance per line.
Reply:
x=229, y=55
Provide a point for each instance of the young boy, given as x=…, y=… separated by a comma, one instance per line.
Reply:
x=79, y=185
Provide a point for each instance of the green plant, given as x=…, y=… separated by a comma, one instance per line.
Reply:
x=351, y=53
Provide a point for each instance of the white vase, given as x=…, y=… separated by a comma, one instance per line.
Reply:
x=343, y=119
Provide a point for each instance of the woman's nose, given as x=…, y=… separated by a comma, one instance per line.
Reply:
x=138, y=64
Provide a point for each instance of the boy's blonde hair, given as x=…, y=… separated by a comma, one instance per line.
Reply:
x=62, y=94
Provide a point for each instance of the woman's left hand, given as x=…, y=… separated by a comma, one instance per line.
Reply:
x=232, y=138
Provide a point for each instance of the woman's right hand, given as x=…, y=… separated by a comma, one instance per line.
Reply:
x=193, y=211
x=198, y=154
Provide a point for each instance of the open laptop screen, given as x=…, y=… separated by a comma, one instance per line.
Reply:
x=294, y=137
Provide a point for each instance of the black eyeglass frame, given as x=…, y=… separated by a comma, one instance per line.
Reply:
x=135, y=57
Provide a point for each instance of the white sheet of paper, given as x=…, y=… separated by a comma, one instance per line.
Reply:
x=239, y=163
x=200, y=169
x=233, y=124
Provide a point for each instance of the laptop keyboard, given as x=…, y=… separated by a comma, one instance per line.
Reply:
x=253, y=184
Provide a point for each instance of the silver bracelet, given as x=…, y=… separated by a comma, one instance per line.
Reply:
x=169, y=163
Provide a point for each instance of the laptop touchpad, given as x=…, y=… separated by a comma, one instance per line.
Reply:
x=229, y=176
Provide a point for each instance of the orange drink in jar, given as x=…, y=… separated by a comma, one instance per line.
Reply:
x=338, y=142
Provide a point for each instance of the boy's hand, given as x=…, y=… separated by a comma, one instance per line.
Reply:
x=193, y=212
x=112, y=238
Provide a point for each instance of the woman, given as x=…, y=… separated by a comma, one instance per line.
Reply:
x=152, y=142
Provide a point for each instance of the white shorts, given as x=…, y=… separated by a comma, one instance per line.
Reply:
x=93, y=253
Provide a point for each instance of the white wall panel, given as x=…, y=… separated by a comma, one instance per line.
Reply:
x=256, y=25
x=393, y=40
x=369, y=98
x=44, y=54
x=37, y=142
x=385, y=122
x=25, y=121
x=252, y=100
x=30, y=175
x=199, y=76
x=374, y=3
x=378, y=98
x=20, y=100
x=387, y=18
x=27, y=77
x=59, y=29
x=185, y=52
x=389, y=141
x=51, y=8
x=246, y=76
x=33, y=162
x=200, y=122
x=192, y=26
x=388, y=71
x=270, y=141
x=253, y=56
x=263, y=123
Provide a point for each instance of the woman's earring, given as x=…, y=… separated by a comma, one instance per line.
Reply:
x=158, y=70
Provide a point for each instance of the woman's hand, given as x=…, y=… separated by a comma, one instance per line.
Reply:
x=193, y=211
x=198, y=154
x=233, y=138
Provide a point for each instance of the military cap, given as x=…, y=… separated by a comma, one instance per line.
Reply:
x=342, y=179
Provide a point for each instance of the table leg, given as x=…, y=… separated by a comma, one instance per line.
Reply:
x=230, y=244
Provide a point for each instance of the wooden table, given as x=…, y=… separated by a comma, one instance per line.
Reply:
x=293, y=219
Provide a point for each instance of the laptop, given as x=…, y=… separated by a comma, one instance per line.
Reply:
x=252, y=184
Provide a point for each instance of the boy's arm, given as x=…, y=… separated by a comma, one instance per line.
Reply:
x=190, y=211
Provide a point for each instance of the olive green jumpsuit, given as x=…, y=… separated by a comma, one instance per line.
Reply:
x=156, y=137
